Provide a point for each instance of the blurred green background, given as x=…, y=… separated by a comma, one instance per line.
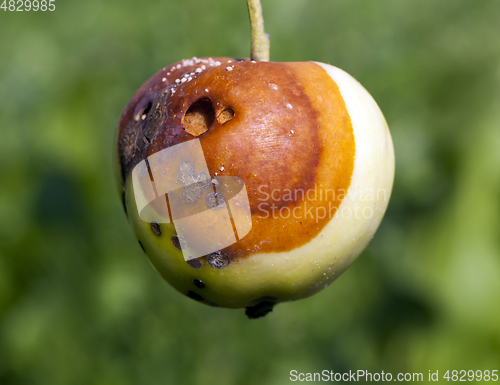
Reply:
x=80, y=303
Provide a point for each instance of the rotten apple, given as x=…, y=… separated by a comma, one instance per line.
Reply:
x=283, y=169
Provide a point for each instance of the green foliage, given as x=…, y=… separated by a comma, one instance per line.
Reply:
x=80, y=304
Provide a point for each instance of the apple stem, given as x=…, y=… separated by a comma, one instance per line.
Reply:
x=260, y=39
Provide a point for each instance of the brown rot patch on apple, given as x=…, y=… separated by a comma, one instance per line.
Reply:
x=290, y=141
x=140, y=131
x=199, y=284
x=282, y=128
x=199, y=117
x=156, y=115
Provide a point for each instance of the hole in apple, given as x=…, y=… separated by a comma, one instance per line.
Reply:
x=225, y=115
x=145, y=113
x=199, y=117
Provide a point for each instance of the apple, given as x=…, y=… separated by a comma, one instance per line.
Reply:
x=249, y=182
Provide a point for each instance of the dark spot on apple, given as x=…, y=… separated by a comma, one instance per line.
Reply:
x=156, y=228
x=260, y=307
x=194, y=263
x=199, y=284
x=176, y=242
x=199, y=117
x=195, y=296
x=218, y=260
